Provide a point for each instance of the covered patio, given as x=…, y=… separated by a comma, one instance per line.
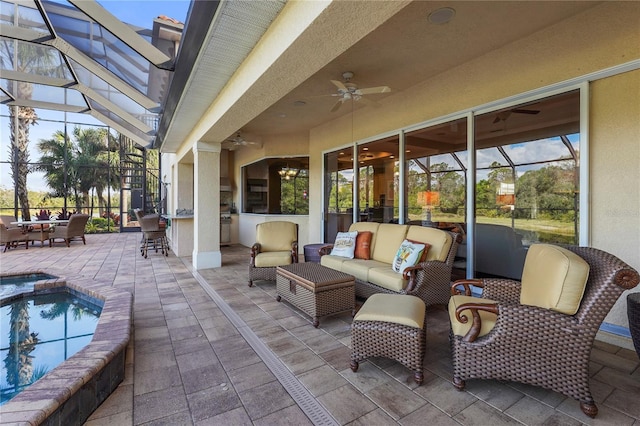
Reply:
x=208, y=349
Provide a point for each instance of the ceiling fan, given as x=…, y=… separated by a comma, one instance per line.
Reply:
x=350, y=91
x=504, y=115
x=238, y=141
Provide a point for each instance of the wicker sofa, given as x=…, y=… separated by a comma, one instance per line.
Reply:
x=430, y=280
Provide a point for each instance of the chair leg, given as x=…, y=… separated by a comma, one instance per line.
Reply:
x=589, y=408
x=458, y=383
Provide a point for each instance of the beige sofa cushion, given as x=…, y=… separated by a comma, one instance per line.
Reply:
x=333, y=262
x=387, y=278
x=366, y=226
x=440, y=241
x=393, y=308
x=488, y=319
x=359, y=268
x=387, y=241
x=553, y=278
x=276, y=236
x=273, y=258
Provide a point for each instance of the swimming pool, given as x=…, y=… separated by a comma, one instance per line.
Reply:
x=39, y=333
x=70, y=392
x=14, y=284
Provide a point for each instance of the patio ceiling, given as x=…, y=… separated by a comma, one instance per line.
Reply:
x=402, y=52
x=98, y=65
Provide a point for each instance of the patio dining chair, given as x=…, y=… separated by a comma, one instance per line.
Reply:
x=73, y=229
x=152, y=235
x=10, y=237
x=540, y=330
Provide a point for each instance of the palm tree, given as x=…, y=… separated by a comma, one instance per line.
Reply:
x=80, y=165
x=25, y=57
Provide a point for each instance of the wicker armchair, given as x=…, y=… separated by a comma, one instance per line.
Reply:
x=73, y=229
x=276, y=245
x=499, y=338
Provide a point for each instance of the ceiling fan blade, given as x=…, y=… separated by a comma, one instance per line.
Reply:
x=337, y=105
x=340, y=85
x=372, y=90
x=525, y=111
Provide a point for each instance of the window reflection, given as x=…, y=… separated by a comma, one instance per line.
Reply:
x=379, y=180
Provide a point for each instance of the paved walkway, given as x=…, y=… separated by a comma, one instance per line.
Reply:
x=209, y=350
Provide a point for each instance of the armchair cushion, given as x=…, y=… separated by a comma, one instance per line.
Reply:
x=553, y=278
x=459, y=329
x=345, y=244
x=276, y=236
x=272, y=259
x=406, y=310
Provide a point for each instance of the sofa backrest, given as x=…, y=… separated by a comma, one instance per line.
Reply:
x=366, y=226
x=440, y=241
x=387, y=241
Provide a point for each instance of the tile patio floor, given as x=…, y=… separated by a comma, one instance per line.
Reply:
x=206, y=346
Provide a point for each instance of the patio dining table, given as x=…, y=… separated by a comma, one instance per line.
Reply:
x=25, y=224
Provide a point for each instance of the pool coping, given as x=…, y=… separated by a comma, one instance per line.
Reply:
x=64, y=394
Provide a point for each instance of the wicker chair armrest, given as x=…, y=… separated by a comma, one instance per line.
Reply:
x=325, y=249
x=466, y=286
x=502, y=289
x=474, y=331
x=294, y=252
x=432, y=269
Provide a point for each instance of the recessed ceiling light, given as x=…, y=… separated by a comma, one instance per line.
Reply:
x=299, y=103
x=441, y=16
x=365, y=149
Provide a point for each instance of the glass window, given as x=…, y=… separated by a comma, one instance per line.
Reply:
x=436, y=159
x=338, y=192
x=379, y=180
x=276, y=186
x=527, y=181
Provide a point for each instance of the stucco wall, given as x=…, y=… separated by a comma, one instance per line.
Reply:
x=615, y=172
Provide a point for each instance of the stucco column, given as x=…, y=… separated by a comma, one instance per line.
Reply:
x=206, y=205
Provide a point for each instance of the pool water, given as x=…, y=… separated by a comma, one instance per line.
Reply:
x=14, y=284
x=39, y=332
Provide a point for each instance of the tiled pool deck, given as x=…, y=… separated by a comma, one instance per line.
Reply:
x=207, y=350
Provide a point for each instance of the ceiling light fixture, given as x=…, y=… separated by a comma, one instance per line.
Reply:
x=441, y=16
x=288, y=172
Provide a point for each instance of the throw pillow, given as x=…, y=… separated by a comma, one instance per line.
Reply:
x=345, y=244
x=407, y=255
x=363, y=245
x=423, y=257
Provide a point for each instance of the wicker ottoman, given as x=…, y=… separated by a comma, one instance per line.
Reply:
x=391, y=326
x=315, y=289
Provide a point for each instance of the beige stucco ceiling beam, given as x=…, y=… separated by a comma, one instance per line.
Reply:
x=305, y=37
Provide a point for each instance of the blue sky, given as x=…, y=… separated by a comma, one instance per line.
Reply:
x=143, y=12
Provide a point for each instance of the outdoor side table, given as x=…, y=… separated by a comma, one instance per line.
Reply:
x=311, y=252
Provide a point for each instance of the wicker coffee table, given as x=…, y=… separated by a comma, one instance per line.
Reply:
x=315, y=289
